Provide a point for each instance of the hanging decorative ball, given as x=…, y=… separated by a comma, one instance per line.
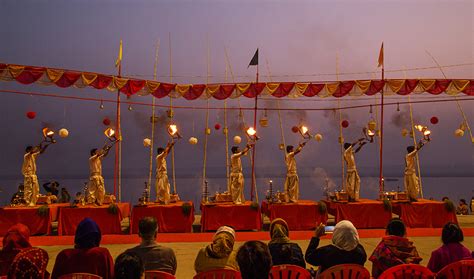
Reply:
x=264, y=122
x=344, y=123
x=372, y=125
x=404, y=132
x=459, y=133
x=217, y=126
x=101, y=106
x=146, y=142
x=106, y=121
x=193, y=140
x=295, y=129
x=434, y=120
x=237, y=140
x=281, y=146
x=130, y=108
x=64, y=133
x=318, y=137
x=31, y=114
x=207, y=131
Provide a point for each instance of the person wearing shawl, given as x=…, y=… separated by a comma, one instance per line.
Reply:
x=15, y=240
x=394, y=249
x=282, y=250
x=219, y=254
x=86, y=256
x=345, y=247
x=451, y=251
x=30, y=263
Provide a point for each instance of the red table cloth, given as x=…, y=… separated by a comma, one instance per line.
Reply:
x=28, y=216
x=364, y=214
x=109, y=223
x=240, y=217
x=171, y=217
x=302, y=215
x=424, y=214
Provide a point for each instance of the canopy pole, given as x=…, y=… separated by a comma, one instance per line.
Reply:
x=254, y=187
x=170, y=115
x=152, y=144
x=226, y=134
x=341, y=138
x=381, y=186
x=119, y=132
x=207, y=119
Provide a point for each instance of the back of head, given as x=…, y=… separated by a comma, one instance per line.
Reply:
x=345, y=236
x=93, y=151
x=347, y=145
x=28, y=148
x=128, y=265
x=147, y=228
x=88, y=234
x=29, y=263
x=462, y=201
x=17, y=237
x=396, y=227
x=410, y=149
x=452, y=233
x=289, y=148
x=160, y=150
x=254, y=260
x=234, y=149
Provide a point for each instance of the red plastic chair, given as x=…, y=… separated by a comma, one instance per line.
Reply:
x=459, y=269
x=407, y=271
x=289, y=271
x=156, y=274
x=345, y=271
x=80, y=276
x=218, y=274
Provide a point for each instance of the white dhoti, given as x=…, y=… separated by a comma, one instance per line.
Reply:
x=162, y=188
x=353, y=184
x=96, y=189
x=292, y=187
x=237, y=187
x=412, y=185
x=31, y=189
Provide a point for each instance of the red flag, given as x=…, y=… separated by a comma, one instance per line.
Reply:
x=381, y=57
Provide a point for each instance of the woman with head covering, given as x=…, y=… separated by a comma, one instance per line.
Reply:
x=345, y=247
x=86, y=256
x=219, y=254
x=282, y=250
x=30, y=263
x=451, y=251
x=394, y=249
x=15, y=240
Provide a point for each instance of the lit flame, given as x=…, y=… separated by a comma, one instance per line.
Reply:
x=427, y=133
x=370, y=133
x=109, y=132
x=172, y=129
x=420, y=127
x=48, y=133
x=251, y=131
x=304, y=130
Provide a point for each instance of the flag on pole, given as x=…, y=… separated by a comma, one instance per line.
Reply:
x=254, y=61
x=381, y=57
x=119, y=58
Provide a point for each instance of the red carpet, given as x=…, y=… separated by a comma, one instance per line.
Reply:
x=241, y=236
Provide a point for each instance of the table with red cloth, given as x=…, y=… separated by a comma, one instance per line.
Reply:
x=29, y=216
x=109, y=222
x=242, y=217
x=301, y=215
x=171, y=217
x=364, y=214
x=424, y=213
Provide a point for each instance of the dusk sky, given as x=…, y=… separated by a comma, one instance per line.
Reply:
x=298, y=41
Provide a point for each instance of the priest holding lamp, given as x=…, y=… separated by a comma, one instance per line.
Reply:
x=411, y=180
x=292, y=180
x=352, y=177
x=28, y=169
x=96, y=185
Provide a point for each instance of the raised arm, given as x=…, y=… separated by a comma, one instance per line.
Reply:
x=169, y=146
x=300, y=147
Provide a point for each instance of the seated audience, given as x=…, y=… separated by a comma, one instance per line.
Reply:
x=30, y=263
x=219, y=254
x=51, y=187
x=462, y=208
x=128, y=265
x=445, y=199
x=153, y=255
x=18, y=197
x=255, y=260
x=282, y=250
x=79, y=199
x=345, y=247
x=64, y=197
x=451, y=251
x=394, y=249
x=15, y=240
x=86, y=256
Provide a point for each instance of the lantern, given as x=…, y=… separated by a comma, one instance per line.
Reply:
x=147, y=142
x=193, y=140
x=237, y=140
x=318, y=137
x=64, y=133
